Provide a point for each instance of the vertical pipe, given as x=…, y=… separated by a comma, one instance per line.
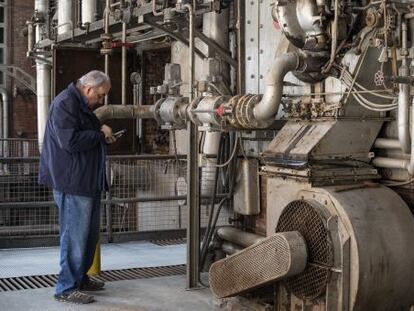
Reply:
x=124, y=65
x=42, y=78
x=106, y=29
x=65, y=23
x=88, y=11
x=193, y=189
x=240, y=45
x=5, y=101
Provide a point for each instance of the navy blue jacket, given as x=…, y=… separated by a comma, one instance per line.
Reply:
x=74, y=149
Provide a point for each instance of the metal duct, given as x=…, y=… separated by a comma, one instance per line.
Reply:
x=268, y=107
x=65, y=22
x=89, y=11
x=276, y=257
x=125, y=112
x=43, y=79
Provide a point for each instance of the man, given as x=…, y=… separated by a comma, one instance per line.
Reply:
x=72, y=163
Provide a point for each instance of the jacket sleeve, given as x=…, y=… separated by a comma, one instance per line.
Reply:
x=66, y=125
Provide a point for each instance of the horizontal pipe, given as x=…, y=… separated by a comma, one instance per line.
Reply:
x=390, y=162
x=230, y=248
x=238, y=236
x=125, y=112
x=387, y=143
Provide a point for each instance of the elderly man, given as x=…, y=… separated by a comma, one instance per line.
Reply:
x=72, y=163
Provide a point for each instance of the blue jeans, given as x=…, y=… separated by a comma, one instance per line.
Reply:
x=79, y=219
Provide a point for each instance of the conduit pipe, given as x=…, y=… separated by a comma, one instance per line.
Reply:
x=269, y=105
x=65, y=23
x=125, y=112
x=403, y=120
x=42, y=78
x=124, y=65
x=238, y=236
x=88, y=11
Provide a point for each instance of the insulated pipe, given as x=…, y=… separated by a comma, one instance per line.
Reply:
x=65, y=23
x=404, y=97
x=230, y=248
x=42, y=78
x=269, y=105
x=5, y=100
x=88, y=11
x=238, y=236
x=125, y=112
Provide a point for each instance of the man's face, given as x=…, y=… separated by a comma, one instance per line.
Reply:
x=96, y=95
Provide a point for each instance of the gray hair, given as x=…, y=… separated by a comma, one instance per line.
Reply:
x=94, y=78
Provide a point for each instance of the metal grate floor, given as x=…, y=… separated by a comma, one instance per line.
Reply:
x=168, y=242
x=41, y=281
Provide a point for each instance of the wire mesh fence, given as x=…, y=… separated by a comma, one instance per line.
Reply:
x=147, y=193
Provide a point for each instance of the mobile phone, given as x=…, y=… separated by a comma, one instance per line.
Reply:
x=119, y=133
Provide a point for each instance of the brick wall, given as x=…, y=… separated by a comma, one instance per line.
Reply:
x=22, y=102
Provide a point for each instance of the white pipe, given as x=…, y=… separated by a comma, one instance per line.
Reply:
x=269, y=105
x=88, y=11
x=65, y=23
x=5, y=100
x=43, y=79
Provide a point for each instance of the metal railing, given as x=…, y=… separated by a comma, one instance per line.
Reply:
x=147, y=194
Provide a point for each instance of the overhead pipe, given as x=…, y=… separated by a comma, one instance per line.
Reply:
x=89, y=11
x=268, y=107
x=42, y=77
x=125, y=112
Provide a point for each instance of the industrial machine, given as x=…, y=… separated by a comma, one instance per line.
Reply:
x=316, y=97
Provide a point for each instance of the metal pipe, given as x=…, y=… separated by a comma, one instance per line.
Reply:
x=5, y=100
x=30, y=37
x=125, y=112
x=42, y=78
x=65, y=23
x=154, y=9
x=390, y=162
x=238, y=236
x=124, y=65
x=240, y=55
x=404, y=97
x=106, y=30
x=230, y=248
x=387, y=143
x=89, y=11
x=193, y=191
x=269, y=105
x=334, y=39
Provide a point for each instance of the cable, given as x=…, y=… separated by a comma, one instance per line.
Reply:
x=231, y=156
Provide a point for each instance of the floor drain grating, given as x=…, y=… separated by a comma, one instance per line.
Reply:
x=169, y=242
x=42, y=281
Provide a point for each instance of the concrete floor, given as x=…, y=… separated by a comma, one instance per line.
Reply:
x=156, y=294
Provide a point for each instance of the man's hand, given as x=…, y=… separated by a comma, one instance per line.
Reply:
x=107, y=131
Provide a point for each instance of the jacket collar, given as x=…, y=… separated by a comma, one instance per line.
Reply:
x=74, y=90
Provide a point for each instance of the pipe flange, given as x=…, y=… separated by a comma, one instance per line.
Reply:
x=157, y=107
x=232, y=104
x=191, y=113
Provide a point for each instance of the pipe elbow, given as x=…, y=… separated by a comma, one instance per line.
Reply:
x=269, y=105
